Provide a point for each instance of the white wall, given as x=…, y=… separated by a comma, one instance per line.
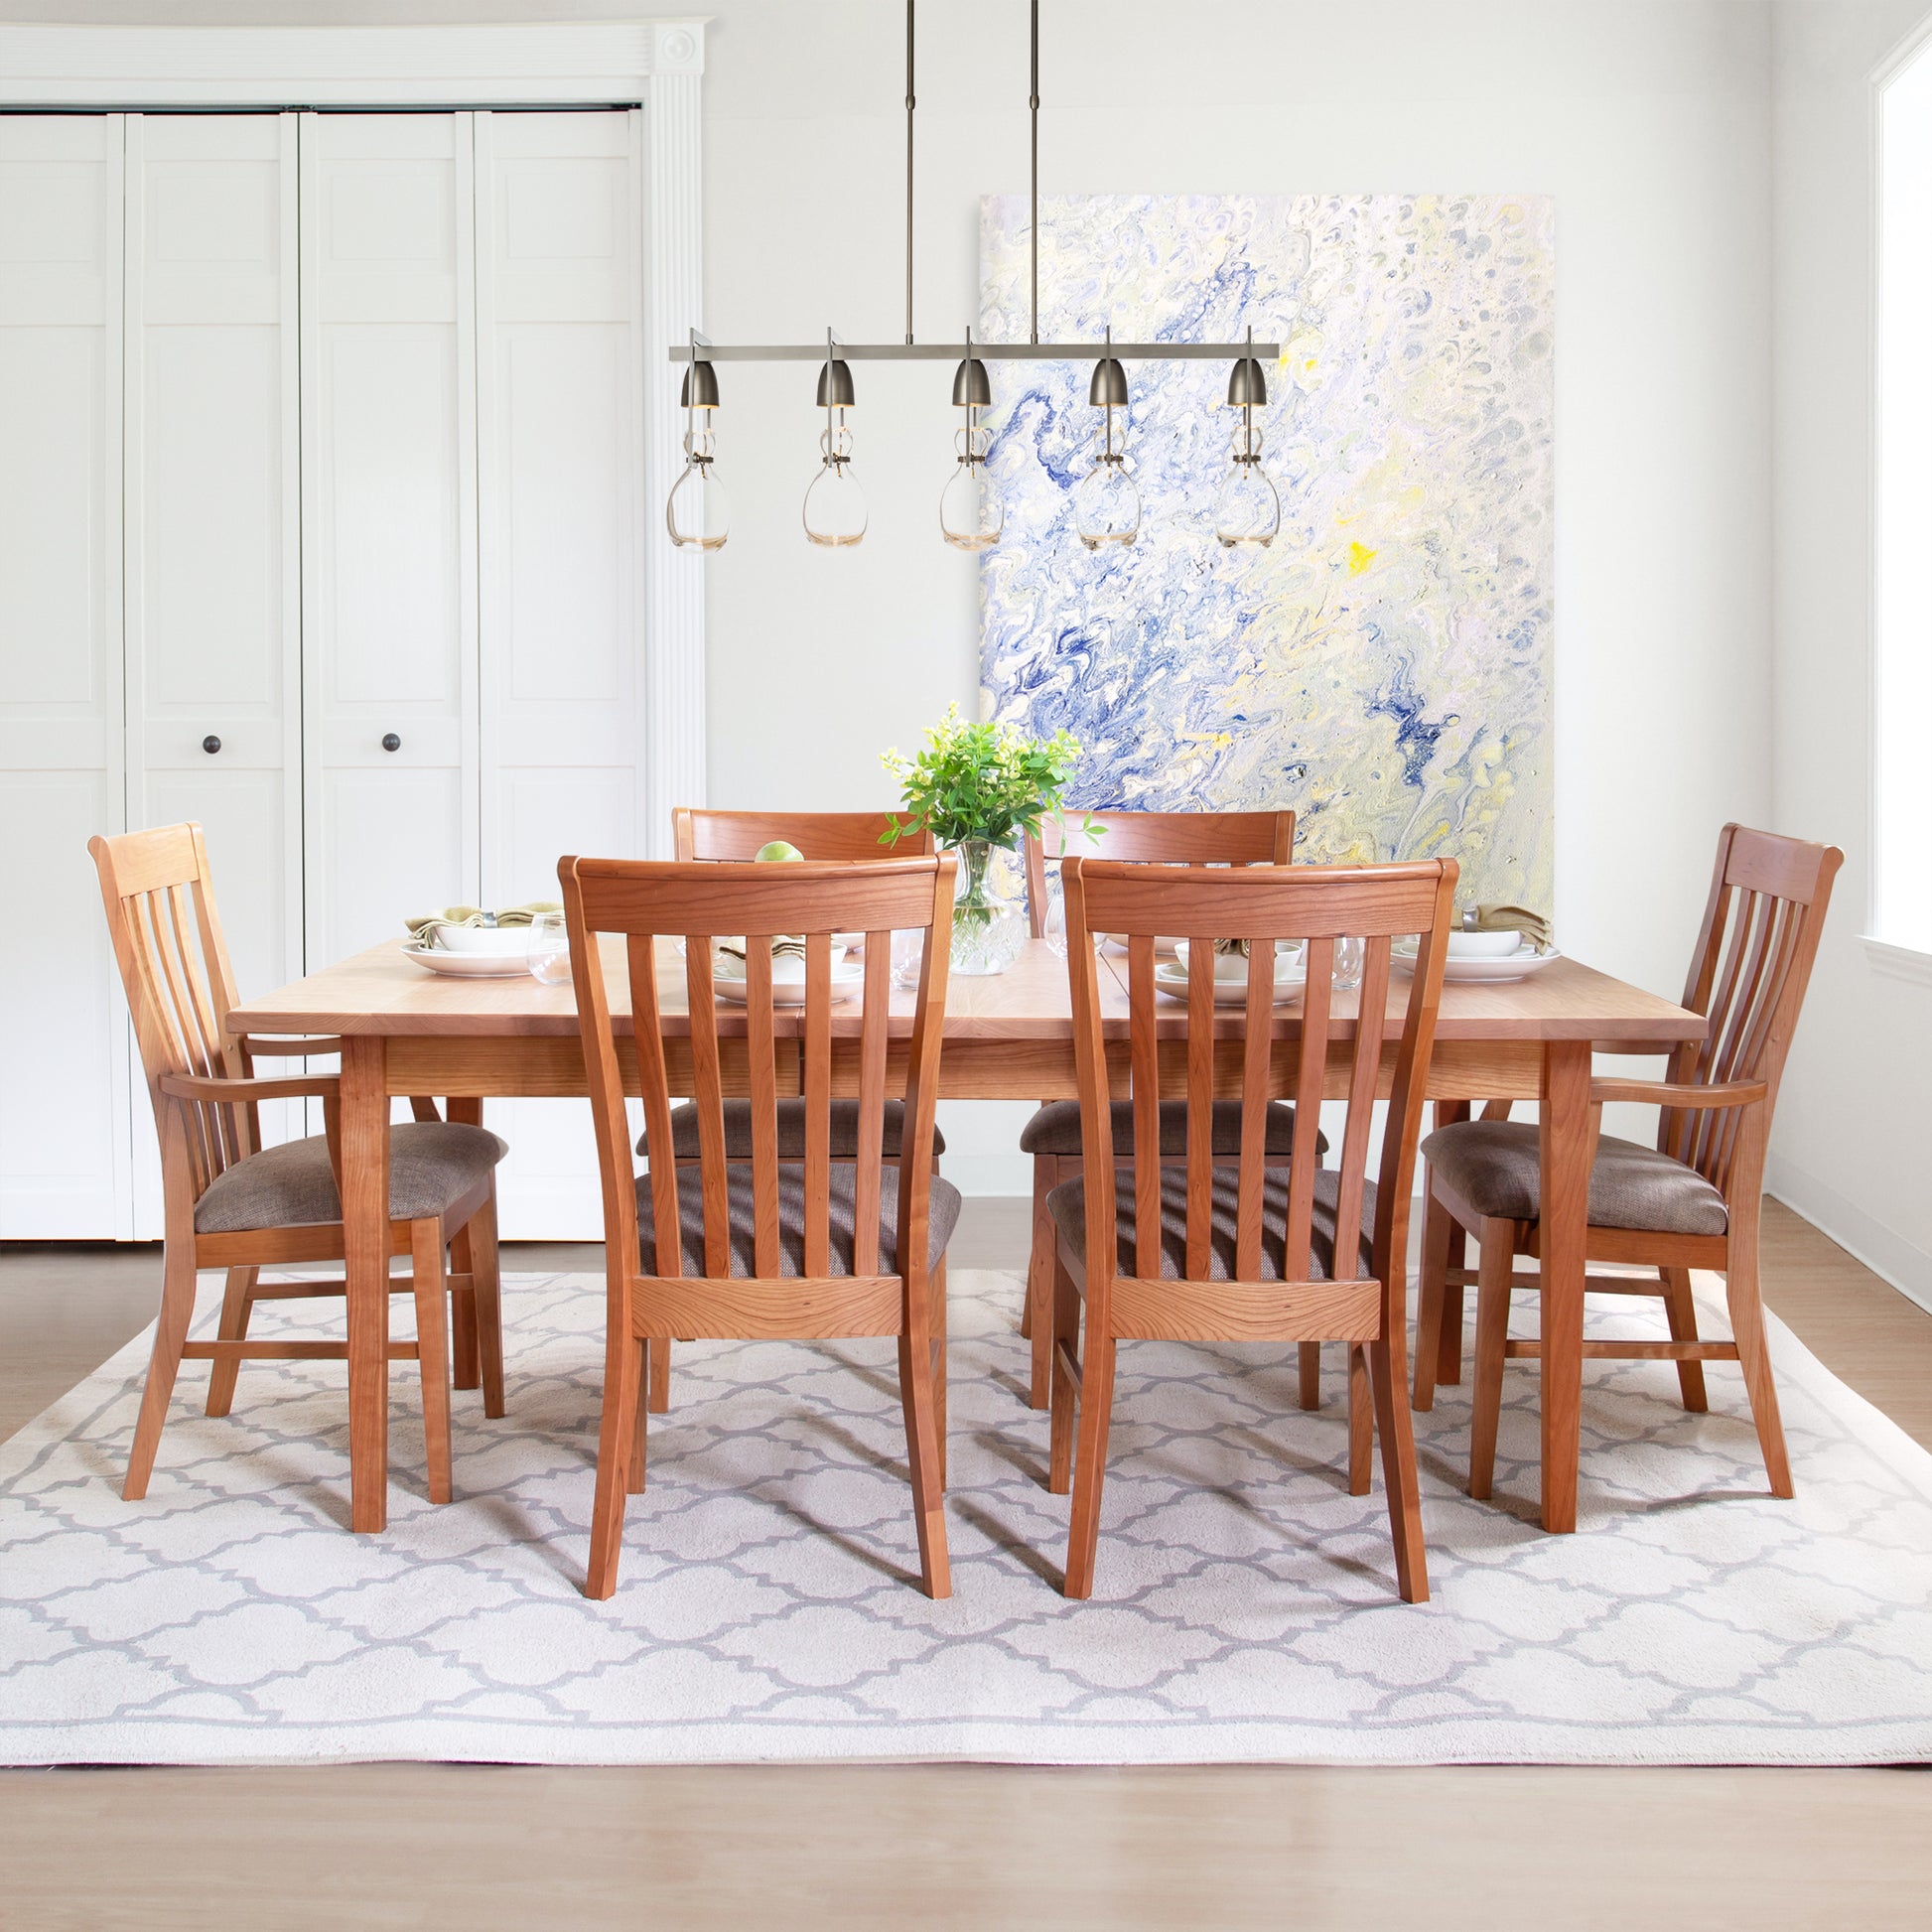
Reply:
x=1647, y=119
x=1853, y=1147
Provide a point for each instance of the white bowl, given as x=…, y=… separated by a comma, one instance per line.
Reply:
x=1485, y=945
x=1234, y=965
x=499, y=941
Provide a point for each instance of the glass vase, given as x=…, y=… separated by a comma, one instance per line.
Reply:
x=988, y=924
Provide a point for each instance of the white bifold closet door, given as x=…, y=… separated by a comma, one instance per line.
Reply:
x=212, y=545
x=388, y=523
x=63, y=1062
x=560, y=461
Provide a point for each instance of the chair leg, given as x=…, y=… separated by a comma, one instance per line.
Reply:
x=635, y=1486
x=170, y=1333
x=916, y=1395
x=939, y=1344
x=1063, y=1331
x=661, y=1376
x=431, y=1350
x=465, y=1359
x=1361, y=1423
x=1754, y=1358
x=618, y=1438
x=1089, y=1462
x=1495, y=1270
x=1399, y=1477
x=238, y=1304
x=1040, y=1284
x=1310, y=1367
x=1437, y=1225
x=487, y=1302
x=1680, y=1305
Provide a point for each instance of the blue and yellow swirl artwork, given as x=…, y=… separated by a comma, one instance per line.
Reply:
x=1383, y=666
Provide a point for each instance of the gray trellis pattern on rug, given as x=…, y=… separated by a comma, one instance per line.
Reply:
x=1244, y=1608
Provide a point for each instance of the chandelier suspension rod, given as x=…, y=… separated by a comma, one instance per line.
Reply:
x=910, y=104
x=1033, y=106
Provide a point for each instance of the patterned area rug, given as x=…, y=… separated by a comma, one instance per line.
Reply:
x=1244, y=1609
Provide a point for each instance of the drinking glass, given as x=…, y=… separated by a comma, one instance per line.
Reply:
x=550, y=948
x=1348, y=964
x=1054, y=918
x=909, y=953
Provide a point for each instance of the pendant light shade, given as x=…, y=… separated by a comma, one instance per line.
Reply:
x=698, y=511
x=1107, y=506
x=972, y=512
x=1246, y=509
x=835, y=505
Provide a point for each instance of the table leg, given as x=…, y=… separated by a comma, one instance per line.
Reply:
x=366, y=1255
x=1567, y=1148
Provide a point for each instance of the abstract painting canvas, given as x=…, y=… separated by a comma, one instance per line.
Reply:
x=1384, y=665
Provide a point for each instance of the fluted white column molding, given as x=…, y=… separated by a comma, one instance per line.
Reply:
x=674, y=646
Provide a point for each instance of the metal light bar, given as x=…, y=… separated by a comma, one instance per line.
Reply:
x=986, y=351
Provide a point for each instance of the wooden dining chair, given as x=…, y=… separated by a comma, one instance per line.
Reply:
x=1052, y=1135
x=1691, y=1201
x=765, y=1248
x=231, y=1203
x=828, y=838
x=1231, y=1250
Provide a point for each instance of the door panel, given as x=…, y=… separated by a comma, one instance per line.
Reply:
x=559, y=337
x=63, y=1043
x=390, y=563
x=212, y=543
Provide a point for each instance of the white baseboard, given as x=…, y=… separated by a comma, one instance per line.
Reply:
x=1889, y=1255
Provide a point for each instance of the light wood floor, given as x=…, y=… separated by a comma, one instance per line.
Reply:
x=506, y=1849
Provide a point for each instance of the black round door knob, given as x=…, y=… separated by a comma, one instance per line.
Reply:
x=390, y=742
x=210, y=743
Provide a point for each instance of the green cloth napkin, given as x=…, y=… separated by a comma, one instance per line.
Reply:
x=426, y=926
x=1511, y=918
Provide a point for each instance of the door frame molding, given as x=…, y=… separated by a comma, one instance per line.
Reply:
x=655, y=64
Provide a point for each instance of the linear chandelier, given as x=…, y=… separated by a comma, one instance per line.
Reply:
x=972, y=514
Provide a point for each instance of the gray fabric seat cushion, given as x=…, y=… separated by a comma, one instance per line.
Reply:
x=1495, y=1166
x=1067, y=1204
x=942, y=1214
x=1055, y=1128
x=791, y=1131
x=432, y=1165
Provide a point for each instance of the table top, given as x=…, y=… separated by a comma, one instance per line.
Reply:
x=380, y=991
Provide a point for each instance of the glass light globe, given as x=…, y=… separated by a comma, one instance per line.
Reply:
x=972, y=512
x=698, y=513
x=1107, y=506
x=1248, y=510
x=835, y=505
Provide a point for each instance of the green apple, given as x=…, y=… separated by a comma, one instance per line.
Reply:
x=778, y=852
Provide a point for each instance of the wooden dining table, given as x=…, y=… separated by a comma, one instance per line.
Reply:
x=407, y=1032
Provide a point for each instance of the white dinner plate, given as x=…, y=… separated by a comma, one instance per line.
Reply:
x=1171, y=980
x=471, y=965
x=1514, y=966
x=846, y=981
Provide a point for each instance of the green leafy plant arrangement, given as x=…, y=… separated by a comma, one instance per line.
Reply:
x=984, y=781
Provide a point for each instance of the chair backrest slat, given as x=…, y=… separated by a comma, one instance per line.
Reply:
x=1200, y=1105
x=1365, y=1067
x=698, y=902
x=1157, y=838
x=1748, y=974
x=825, y=838
x=1145, y=1071
x=817, y=1083
x=762, y=1078
x=708, y=1095
x=1261, y=907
